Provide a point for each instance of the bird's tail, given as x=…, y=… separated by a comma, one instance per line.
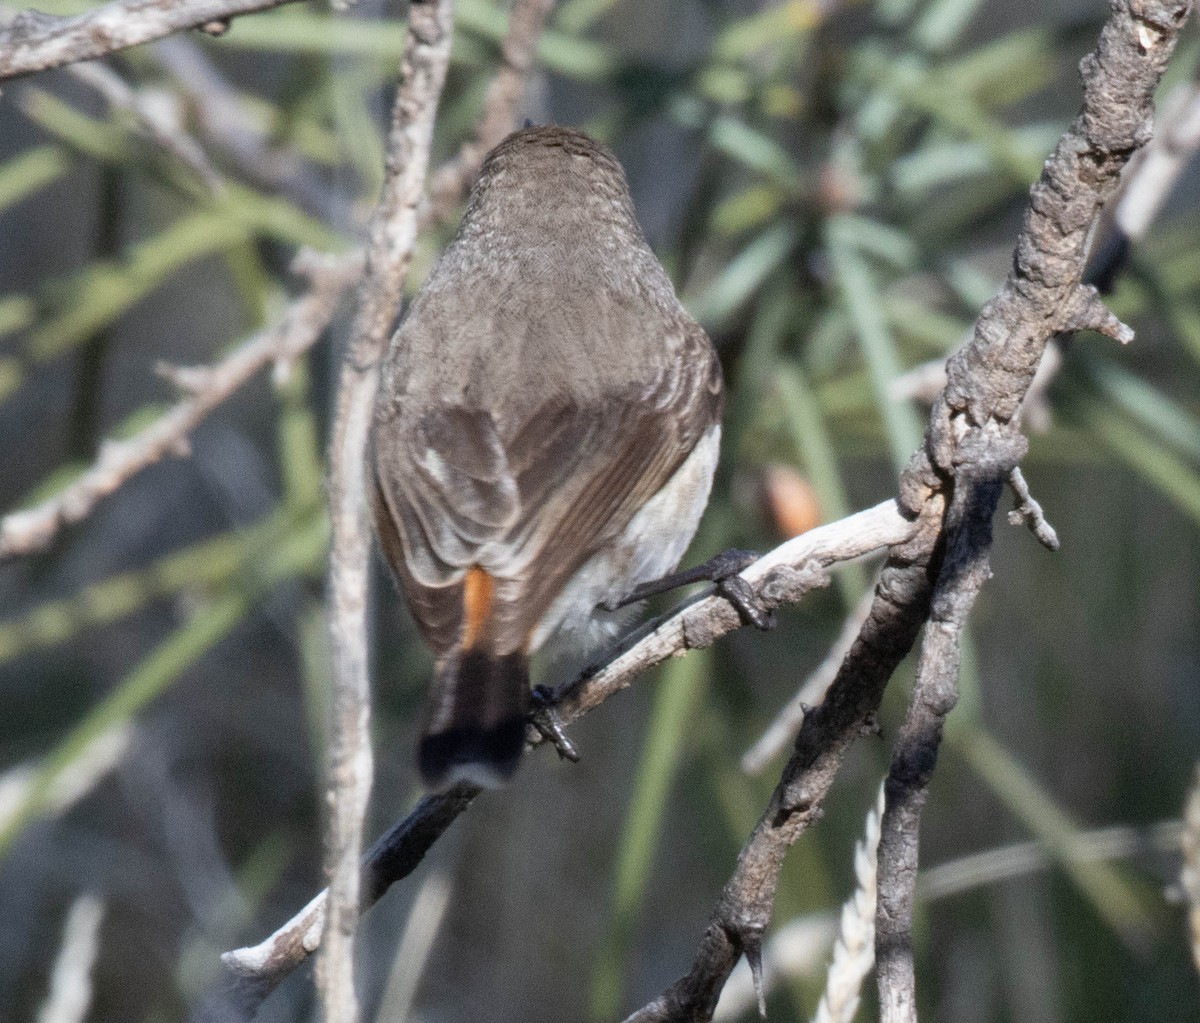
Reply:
x=476, y=730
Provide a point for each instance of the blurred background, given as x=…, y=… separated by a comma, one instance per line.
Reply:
x=835, y=188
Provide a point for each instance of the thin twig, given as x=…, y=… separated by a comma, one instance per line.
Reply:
x=152, y=120
x=70, y=995
x=392, y=237
x=1006, y=862
x=224, y=124
x=973, y=442
x=452, y=180
x=31, y=41
x=33, y=529
x=1030, y=512
x=812, y=690
x=964, y=570
x=783, y=574
x=1190, y=875
x=412, y=953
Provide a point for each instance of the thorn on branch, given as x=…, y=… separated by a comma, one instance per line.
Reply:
x=1085, y=310
x=191, y=380
x=752, y=949
x=216, y=27
x=1028, y=511
x=281, y=370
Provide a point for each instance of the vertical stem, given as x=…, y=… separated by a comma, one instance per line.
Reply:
x=393, y=234
x=965, y=568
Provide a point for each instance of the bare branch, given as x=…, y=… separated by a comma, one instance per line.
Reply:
x=744, y=908
x=812, y=690
x=973, y=442
x=397, y=853
x=24, y=532
x=782, y=576
x=392, y=236
x=31, y=41
x=1190, y=876
x=164, y=131
x=452, y=180
x=70, y=995
x=213, y=106
x=994, y=865
x=965, y=568
x=1030, y=512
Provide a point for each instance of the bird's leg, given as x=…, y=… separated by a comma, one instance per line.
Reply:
x=725, y=571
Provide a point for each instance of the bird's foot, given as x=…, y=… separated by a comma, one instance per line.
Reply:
x=545, y=718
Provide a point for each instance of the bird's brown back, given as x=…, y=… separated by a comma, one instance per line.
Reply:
x=545, y=383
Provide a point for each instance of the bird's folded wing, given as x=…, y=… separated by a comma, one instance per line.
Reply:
x=529, y=502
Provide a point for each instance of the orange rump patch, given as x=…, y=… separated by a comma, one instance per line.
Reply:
x=478, y=590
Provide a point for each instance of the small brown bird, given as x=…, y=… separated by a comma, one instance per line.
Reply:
x=544, y=439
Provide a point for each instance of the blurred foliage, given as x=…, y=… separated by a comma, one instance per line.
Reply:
x=835, y=188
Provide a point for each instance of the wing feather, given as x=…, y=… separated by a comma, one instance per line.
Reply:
x=529, y=499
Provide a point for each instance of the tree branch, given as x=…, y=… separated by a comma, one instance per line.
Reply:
x=743, y=910
x=392, y=236
x=1190, y=874
x=452, y=180
x=783, y=575
x=973, y=438
x=33, y=529
x=964, y=570
x=782, y=731
x=158, y=127
x=220, y=120
x=31, y=41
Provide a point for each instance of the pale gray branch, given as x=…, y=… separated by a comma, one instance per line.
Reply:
x=812, y=690
x=70, y=995
x=783, y=574
x=973, y=442
x=1010, y=861
x=1028, y=510
x=224, y=124
x=30, y=530
x=153, y=119
x=965, y=568
x=1190, y=875
x=31, y=41
x=452, y=180
x=392, y=236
